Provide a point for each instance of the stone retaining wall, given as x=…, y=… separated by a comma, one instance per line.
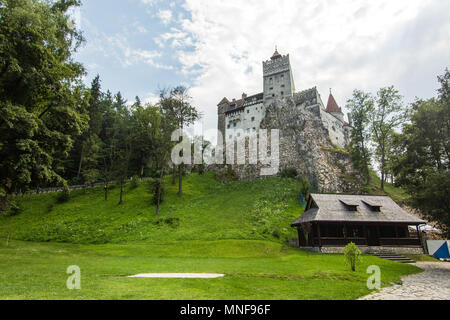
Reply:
x=368, y=249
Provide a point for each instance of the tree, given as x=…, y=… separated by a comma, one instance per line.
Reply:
x=389, y=113
x=43, y=102
x=176, y=108
x=352, y=255
x=421, y=158
x=361, y=106
x=122, y=142
x=86, y=148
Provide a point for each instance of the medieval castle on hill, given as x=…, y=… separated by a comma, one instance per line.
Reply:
x=237, y=118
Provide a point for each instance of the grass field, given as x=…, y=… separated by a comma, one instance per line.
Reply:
x=254, y=270
x=239, y=229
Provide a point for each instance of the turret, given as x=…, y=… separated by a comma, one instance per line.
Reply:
x=278, y=80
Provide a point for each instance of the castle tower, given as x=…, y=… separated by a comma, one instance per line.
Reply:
x=221, y=109
x=278, y=80
x=333, y=108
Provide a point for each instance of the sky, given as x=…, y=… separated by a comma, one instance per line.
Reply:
x=216, y=48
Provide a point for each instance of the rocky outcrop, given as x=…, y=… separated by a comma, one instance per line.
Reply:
x=305, y=146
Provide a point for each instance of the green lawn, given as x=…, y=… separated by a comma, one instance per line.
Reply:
x=254, y=270
x=239, y=229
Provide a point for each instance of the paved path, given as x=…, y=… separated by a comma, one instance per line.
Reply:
x=179, y=275
x=433, y=284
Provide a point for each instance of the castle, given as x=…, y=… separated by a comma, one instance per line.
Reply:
x=241, y=117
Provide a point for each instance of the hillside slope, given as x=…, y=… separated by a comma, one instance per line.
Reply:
x=208, y=210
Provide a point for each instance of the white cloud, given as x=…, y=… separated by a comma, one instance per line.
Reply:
x=332, y=43
x=165, y=16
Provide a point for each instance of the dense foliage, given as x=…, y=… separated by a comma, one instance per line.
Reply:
x=54, y=131
x=410, y=145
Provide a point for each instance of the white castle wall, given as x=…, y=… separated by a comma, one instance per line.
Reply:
x=244, y=121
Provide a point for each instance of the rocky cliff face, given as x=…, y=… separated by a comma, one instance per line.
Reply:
x=305, y=146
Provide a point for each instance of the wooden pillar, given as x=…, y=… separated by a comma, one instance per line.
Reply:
x=318, y=234
x=419, y=235
x=365, y=234
x=396, y=235
x=379, y=235
x=344, y=230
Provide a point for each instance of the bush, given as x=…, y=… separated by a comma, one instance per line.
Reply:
x=172, y=222
x=305, y=187
x=134, y=182
x=226, y=175
x=352, y=255
x=14, y=209
x=289, y=173
x=64, y=196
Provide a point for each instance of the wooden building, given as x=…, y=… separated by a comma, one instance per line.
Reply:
x=334, y=220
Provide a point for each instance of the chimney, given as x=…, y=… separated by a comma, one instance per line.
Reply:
x=244, y=96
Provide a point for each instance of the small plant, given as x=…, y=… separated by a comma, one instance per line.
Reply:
x=289, y=173
x=352, y=255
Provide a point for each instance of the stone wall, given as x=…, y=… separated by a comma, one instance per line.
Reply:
x=367, y=250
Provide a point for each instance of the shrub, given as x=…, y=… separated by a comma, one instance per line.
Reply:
x=226, y=175
x=134, y=182
x=14, y=209
x=305, y=187
x=289, y=173
x=352, y=255
x=64, y=196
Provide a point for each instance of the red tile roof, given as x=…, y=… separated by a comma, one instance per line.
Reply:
x=332, y=105
x=275, y=55
x=224, y=100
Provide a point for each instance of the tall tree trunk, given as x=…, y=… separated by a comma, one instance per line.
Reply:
x=121, y=191
x=80, y=163
x=5, y=202
x=180, y=180
x=158, y=197
x=142, y=171
x=106, y=192
x=174, y=174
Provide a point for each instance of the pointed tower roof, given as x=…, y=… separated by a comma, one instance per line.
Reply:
x=332, y=106
x=276, y=54
x=224, y=100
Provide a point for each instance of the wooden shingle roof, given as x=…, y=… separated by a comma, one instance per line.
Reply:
x=332, y=208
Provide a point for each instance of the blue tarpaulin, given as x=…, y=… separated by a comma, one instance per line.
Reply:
x=442, y=252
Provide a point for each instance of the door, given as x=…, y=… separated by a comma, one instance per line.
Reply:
x=372, y=236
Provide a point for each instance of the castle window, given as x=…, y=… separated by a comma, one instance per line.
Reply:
x=234, y=124
x=228, y=126
x=253, y=118
x=282, y=86
x=248, y=111
x=271, y=88
x=282, y=93
x=273, y=96
x=254, y=129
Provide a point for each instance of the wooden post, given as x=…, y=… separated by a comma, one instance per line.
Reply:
x=318, y=234
x=365, y=234
x=419, y=235
x=396, y=235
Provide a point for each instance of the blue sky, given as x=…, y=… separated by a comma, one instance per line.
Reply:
x=120, y=46
x=217, y=47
